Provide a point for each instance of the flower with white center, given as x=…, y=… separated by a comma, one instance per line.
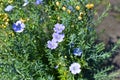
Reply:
x=8, y=8
x=18, y=26
x=75, y=68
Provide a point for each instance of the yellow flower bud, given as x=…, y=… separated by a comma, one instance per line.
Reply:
x=56, y=9
x=77, y=7
x=72, y=25
x=89, y=6
x=69, y=11
x=58, y=18
x=6, y=23
x=28, y=19
x=49, y=16
x=10, y=1
x=1, y=3
x=63, y=8
x=12, y=34
x=7, y=20
x=81, y=13
x=4, y=26
x=4, y=18
x=5, y=40
x=22, y=20
x=79, y=18
x=59, y=63
x=6, y=15
x=57, y=3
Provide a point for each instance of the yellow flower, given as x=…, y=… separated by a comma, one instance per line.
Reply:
x=79, y=18
x=81, y=13
x=63, y=8
x=89, y=6
x=57, y=3
x=77, y=7
x=69, y=11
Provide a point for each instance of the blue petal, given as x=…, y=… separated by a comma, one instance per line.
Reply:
x=77, y=51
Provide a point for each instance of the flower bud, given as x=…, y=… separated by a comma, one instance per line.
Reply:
x=89, y=6
x=63, y=8
x=81, y=13
x=79, y=18
x=57, y=3
x=22, y=20
x=58, y=18
x=69, y=11
x=77, y=7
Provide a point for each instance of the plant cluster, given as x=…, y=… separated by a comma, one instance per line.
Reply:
x=50, y=40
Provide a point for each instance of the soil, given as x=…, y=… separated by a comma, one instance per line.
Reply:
x=111, y=27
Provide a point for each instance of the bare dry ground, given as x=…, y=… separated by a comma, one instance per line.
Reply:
x=111, y=24
x=111, y=27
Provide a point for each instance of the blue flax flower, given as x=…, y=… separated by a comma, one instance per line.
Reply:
x=52, y=44
x=39, y=2
x=75, y=68
x=18, y=26
x=9, y=8
x=77, y=52
x=58, y=37
x=59, y=28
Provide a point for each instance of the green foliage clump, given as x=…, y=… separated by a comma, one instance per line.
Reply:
x=26, y=56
